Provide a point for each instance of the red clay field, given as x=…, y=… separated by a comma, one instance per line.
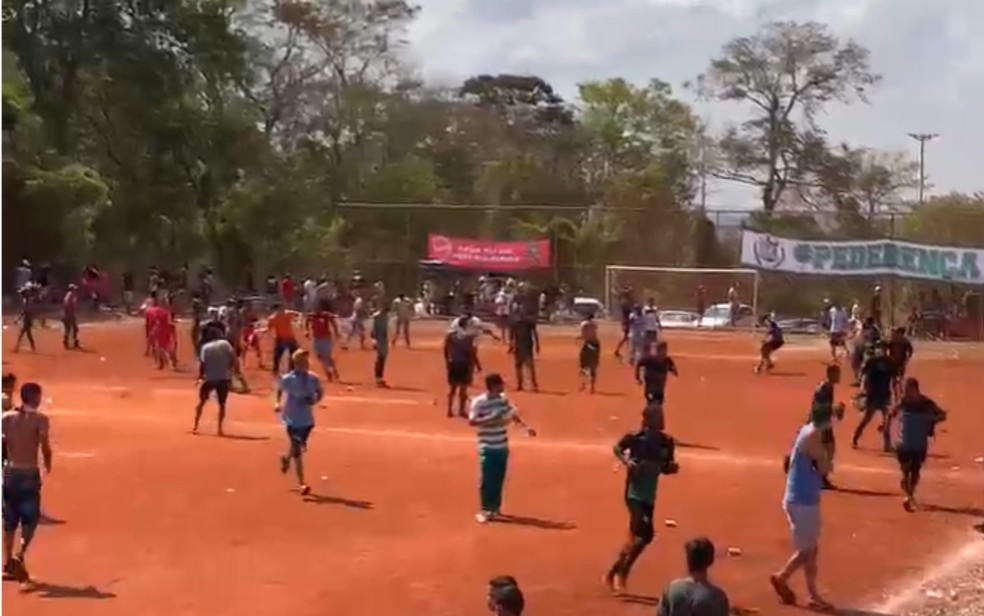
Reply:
x=144, y=518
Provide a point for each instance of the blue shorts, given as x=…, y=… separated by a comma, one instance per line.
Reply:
x=804, y=523
x=299, y=436
x=323, y=349
x=21, y=498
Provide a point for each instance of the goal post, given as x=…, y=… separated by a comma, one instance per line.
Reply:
x=676, y=289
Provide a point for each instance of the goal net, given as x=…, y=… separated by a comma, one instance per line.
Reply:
x=696, y=298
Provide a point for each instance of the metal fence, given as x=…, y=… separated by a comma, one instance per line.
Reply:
x=388, y=242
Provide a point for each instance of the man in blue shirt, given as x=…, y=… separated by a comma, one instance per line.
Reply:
x=774, y=341
x=918, y=416
x=297, y=393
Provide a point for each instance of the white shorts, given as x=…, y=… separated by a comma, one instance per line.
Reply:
x=804, y=522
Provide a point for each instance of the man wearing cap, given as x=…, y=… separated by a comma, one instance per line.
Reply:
x=492, y=413
x=807, y=466
x=646, y=455
x=297, y=393
x=70, y=317
x=25, y=433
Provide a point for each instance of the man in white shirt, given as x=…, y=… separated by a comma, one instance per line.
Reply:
x=403, y=310
x=309, y=289
x=503, y=301
x=650, y=316
x=838, y=329
x=735, y=303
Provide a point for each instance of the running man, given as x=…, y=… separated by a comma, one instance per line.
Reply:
x=590, y=355
x=650, y=316
x=839, y=325
x=29, y=312
x=70, y=318
x=634, y=335
x=26, y=431
x=380, y=339
x=773, y=341
x=461, y=359
x=877, y=375
x=918, y=416
x=646, y=455
x=357, y=329
x=218, y=364
x=403, y=310
x=823, y=397
x=808, y=464
x=492, y=413
x=900, y=352
x=298, y=392
x=322, y=328
x=524, y=345
x=652, y=371
x=251, y=334
x=281, y=322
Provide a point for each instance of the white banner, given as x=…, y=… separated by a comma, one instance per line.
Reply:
x=862, y=258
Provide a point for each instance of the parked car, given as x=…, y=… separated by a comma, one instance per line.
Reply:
x=800, y=326
x=719, y=315
x=583, y=306
x=678, y=319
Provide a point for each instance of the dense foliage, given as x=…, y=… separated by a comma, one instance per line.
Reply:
x=233, y=132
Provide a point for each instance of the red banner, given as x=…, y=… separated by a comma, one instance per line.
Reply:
x=488, y=254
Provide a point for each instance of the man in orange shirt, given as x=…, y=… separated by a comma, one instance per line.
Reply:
x=281, y=323
x=323, y=329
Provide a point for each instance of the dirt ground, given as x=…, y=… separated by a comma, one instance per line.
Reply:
x=144, y=518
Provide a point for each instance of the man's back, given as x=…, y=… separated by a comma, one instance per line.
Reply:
x=689, y=597
x=23, y=433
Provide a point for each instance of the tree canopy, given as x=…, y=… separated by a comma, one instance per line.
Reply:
x=235, y=132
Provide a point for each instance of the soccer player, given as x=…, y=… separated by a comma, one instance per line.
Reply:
x=380, y=338
x=281, y=322
x=590, y=355
x=322, y=328
x=461, y=359
x=25, y=433
x=773, y=341
x=635, y=336
x=403, y=309
x=646, y=455
x=918, y=416
x=29, y=312
x=653, y=369
x=492, y=413
x=877, y=374
x=900, y=352
x=217, y=366
x=807, y=465
x=298, y=392
x=524, y=344
x=70, y=318
x=360, y=312
x=839, y=325
x=650, y=316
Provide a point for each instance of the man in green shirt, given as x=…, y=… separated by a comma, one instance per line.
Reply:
x=646, y=454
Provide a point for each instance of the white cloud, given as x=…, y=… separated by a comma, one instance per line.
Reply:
x=930, y=53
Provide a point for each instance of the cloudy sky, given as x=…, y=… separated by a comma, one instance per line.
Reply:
x=929, y=52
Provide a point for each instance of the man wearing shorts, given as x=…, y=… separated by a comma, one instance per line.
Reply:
x=25, y=433
x=808, y=463
x=646, y=455
x=298, y=392
x=918, y=416
x=876, y=386
x=773, y=341
x=590, y=355
x=461, y=359
x=403, y=311
x=281, y=322
x=322, y=328
x=653, y=370
x=837, y=317
x=218, y=364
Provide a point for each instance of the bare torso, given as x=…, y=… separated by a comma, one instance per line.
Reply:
x=24, y=432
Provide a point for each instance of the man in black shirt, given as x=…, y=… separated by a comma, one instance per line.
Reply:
x=128, y=295
x=877, y=375
x=652, y=371
x=646, y=455
x=900, y=352
x=525, y=343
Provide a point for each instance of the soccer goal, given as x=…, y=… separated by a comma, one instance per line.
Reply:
x=688, y=297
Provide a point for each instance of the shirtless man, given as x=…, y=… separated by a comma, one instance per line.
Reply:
x=590, y=355
x=25, y=431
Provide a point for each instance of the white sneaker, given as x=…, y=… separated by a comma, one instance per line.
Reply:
x=482, y=517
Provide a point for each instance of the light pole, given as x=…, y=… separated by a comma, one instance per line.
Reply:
x=922, y=138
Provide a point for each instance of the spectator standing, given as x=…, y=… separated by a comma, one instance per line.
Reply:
x=695, y=595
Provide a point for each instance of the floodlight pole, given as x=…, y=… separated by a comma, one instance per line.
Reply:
x=922, y=138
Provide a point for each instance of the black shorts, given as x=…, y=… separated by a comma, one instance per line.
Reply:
x=640, y=519
x=523, y=357
x=590, y=356
x=910, y=461
x=877, y=401
x=299, y=436
x=838, y=339
x=21, y=498
x=650, y=336
x=770, y=346
x=655, y=394
x=221, y=389
x=460, y=373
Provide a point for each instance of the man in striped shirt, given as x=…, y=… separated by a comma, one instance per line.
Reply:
x=492, y=413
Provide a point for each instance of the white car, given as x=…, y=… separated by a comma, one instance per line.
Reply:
x=719, y=315
x=678, y=319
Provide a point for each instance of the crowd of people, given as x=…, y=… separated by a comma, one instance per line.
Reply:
x=224, y=337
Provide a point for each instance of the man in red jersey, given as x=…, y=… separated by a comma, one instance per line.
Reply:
x=322, y=327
